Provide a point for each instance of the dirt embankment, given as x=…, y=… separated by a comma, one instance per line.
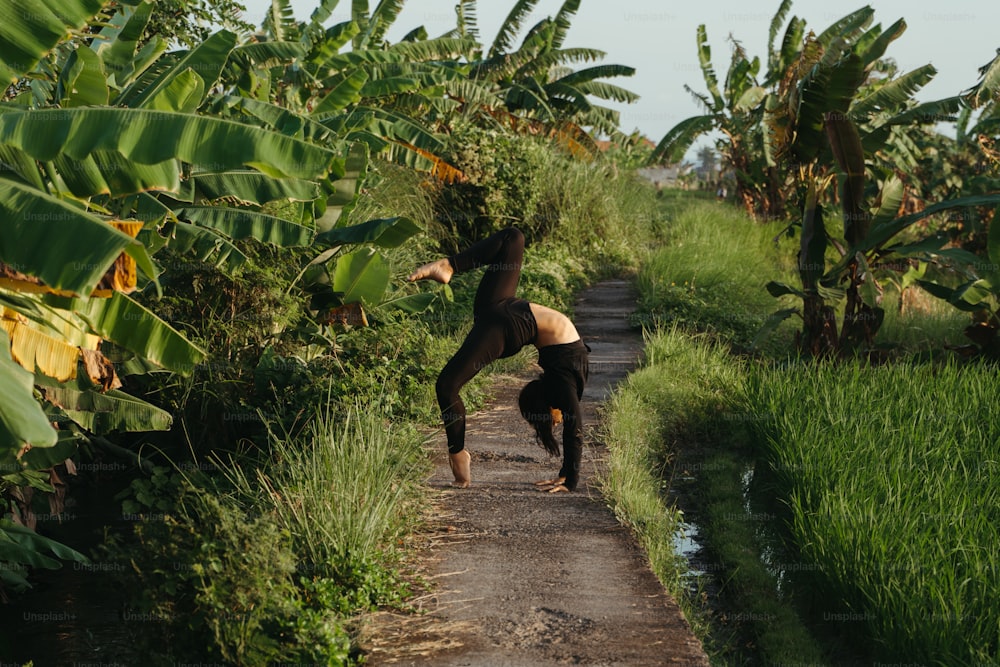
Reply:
x=530, y=578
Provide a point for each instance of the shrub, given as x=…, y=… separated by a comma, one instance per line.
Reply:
x=211, y=581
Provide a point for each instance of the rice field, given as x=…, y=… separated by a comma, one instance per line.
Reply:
x=891, y=479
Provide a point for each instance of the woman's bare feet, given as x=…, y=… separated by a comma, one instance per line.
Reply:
x=461, y=465
x=440, y=271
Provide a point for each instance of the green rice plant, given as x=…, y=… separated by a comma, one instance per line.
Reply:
x=890, y=478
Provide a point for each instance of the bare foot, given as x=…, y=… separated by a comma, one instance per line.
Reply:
x=461, y=464
x=440, y=271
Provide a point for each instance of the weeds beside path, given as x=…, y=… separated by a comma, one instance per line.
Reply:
x=528, y=578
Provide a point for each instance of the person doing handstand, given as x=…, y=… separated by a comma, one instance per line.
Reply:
x=502, y=325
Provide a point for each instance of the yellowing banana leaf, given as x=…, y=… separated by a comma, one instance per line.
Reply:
x=121, y=276
x=35, y=351
x=31, y=28
x=65, y=247
x=22, y=420
x=132, y=326
x=151, y=137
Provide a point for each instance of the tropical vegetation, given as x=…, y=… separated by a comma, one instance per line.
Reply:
x=204, y=229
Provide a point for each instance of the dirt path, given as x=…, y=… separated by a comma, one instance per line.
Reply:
x=532, y=579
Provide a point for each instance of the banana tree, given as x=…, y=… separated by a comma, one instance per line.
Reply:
x=837, y=127
x=736, y=109
x=537, y=84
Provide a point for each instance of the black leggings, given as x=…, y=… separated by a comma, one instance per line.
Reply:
x=501, y=326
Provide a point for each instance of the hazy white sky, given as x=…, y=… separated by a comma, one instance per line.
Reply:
x=657, y=37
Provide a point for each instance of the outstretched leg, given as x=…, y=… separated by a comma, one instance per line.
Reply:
x=482, y=346
x=502, y=254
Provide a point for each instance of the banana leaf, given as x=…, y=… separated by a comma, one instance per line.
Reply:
x=204, y=62
x=344, y=90
x=82, y=80
x=22, y=420
x=65, y=247
x=361, y=276
x=242, y=223
x=385, y=233
x=131, y=325
x=675, y=143
x=253, y=187
x=22, y=545
x=116, y=44
x=105, y=412
x=31, y=28
x=151, y=137
x=43, y=458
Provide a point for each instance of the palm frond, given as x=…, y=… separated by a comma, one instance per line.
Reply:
x=708, y=72
x=511, y=26
x=279, y=23
x=892, y=95
x=563, y=21
x=468, y=23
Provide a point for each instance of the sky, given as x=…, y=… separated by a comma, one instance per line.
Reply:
x=658, y=39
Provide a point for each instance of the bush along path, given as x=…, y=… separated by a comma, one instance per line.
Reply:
x=523, y=577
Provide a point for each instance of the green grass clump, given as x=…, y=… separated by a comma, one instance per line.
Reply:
x=711, y=271
x=346, y=488
x=890, y=476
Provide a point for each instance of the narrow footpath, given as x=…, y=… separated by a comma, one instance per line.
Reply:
x=525, y=578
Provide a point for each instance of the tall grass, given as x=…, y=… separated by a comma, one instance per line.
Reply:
x=891, y=478
x=345, y=488
x=607, y=218
x=711, y=271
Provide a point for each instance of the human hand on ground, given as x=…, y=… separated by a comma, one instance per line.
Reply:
x=556, y=485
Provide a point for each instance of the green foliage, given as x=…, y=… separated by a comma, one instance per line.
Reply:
x=190, y=22
x=504, y=175
x=710, y=272
x=676, y=457
x=344, y=487
x=218, y=583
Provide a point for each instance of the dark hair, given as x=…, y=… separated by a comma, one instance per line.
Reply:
x=536, y=410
